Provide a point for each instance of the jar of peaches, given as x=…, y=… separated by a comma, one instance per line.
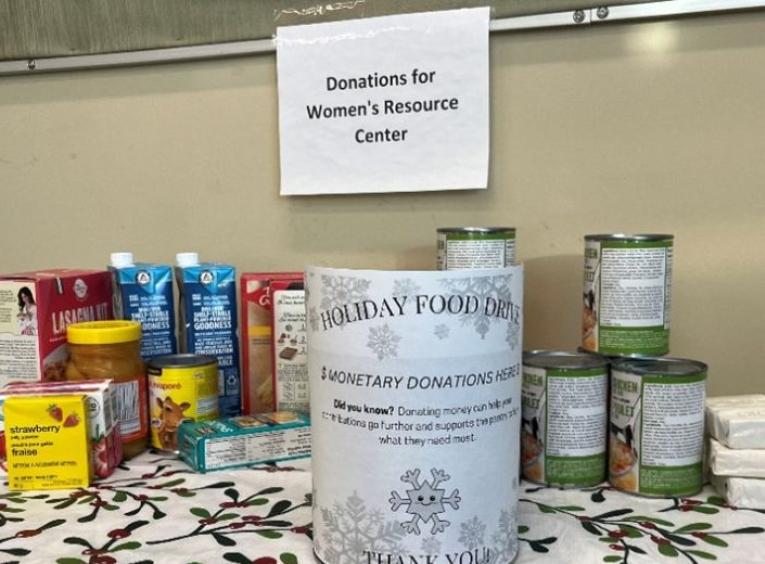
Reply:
x=112, y=349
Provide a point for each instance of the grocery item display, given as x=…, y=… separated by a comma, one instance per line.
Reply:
x=208, y=322
x=245, y=440
x=564, y=425
x=656, y=429
x=143, y=292
x=182, y=387
x=112, y=350
x=627, y=294
x=35, y=309
x=466, y=248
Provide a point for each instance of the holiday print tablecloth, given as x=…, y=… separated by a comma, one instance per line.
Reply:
x=156, y=510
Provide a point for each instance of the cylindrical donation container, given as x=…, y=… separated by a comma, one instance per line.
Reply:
x=415, y=406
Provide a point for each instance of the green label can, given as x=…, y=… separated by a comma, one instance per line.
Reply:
x=564, y=408
x=656, y=435
x=627, y=294
x=470, y=248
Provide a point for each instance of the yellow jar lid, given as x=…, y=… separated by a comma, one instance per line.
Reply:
x=103, y=332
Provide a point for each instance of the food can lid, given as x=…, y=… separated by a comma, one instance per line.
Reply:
x=103, y=332
x=187, y=259
x=563, y=360
x=629, y=237
x=184, y=360
x=121, y=260
x=660, y=365
x=475, y=230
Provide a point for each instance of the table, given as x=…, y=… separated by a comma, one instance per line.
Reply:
x=156, y=510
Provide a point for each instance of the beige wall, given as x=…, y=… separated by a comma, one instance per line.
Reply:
x=641, y=127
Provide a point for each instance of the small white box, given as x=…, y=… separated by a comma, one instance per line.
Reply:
x=746, y=463
x=738, y=422
x=748, y=493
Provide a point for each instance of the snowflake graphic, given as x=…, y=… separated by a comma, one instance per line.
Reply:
x=405, y=287
x=472, y=533
x=351, y=528
x=383, y=341
x=513, y=336
x=431, y=545
x=504, y=539
x=441, y=331
x=425, y=501
x=313, y=319
x=339, y=290
x=483, y=287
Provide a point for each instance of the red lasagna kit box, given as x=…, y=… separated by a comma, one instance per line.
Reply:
x=35, y=309
x=257, y=339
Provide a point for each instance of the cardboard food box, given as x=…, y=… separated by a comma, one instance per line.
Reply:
x=47, y=449
x=101, y=403
x=35, y=309
x=245, y=440
x=257, y=342
x=288, y=315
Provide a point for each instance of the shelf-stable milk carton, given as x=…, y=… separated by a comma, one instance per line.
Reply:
x=143, y=292
x=208, y=322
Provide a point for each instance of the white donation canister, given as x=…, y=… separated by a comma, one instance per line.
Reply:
x=415, y=405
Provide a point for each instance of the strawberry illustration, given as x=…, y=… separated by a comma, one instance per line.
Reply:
x=72, y=420
x=55, y=412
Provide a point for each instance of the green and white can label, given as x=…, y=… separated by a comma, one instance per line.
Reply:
x=656, y=433
x=563, y=431
x=471, y=248
x=627, y=294
x=415, y=410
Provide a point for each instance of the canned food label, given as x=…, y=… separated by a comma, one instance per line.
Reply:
x=657, y=433
x=563, y=433
x=190, y=396
x=470, y=251
x=627, y=297
x=131, y=409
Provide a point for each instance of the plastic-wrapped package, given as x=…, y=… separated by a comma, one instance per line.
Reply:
x=746, y=463
x=747, y=493
x=737, y=422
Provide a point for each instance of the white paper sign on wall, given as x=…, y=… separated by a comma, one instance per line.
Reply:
x=388, y=104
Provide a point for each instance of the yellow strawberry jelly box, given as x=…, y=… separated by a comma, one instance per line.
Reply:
x=47, y=449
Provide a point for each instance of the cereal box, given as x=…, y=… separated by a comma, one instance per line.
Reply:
x=257, y=342
x=101, y=401
x=47, y=442
x=35, y=309
x=244, y=440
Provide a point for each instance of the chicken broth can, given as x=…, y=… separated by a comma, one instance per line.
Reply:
x=627, y=294
x=182, y=387
x=656, y=430
x=470, y=248
x=563, y=429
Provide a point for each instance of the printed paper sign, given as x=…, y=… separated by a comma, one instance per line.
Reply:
x=388, y=104
x=415, y=411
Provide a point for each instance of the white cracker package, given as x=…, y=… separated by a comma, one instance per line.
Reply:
x=737, y=421
x=746, y=463
x=415, y=404
x=746, y=493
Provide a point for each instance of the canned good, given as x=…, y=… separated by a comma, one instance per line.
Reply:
x=470, y=248
x=627, y=294
x=564, y=406
x=182, y=387
x=656, y=434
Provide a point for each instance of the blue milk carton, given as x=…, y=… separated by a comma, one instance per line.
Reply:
x=143, y=292
x=208, y=322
